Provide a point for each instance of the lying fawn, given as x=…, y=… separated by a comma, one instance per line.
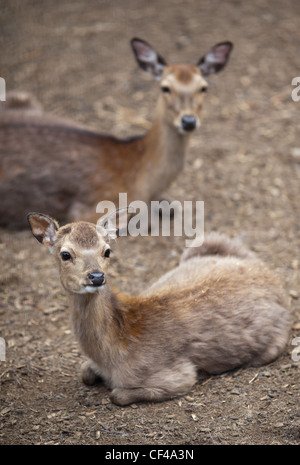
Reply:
x=221, y=308
x=56, y=166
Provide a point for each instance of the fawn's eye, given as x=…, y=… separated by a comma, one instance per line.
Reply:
x=203, y=89
x=65, y=256
x=107, y=253
x=166, y=89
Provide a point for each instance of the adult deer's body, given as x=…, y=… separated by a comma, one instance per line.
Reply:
x=52, y=165
x=221, y=308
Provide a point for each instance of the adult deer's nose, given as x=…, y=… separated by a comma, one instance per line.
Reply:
x=188, y=122
x=97, y=278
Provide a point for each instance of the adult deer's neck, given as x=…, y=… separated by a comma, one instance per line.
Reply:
x=164, y=153
x=165, y=138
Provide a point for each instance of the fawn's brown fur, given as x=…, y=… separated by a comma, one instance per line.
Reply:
x=52, y=165
x=221, y=308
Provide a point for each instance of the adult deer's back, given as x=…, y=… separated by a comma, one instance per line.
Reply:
x=49, y=164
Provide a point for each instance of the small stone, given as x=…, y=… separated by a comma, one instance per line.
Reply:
x=235, y=391
x=295, y=152
x=294, y=294
x=105, y=401
x=5, y=411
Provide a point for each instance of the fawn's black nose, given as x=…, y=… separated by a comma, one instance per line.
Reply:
x=188, y=122
x=96, y=278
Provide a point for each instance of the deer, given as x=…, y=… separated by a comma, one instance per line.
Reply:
x=220, y=309
x=64, y=168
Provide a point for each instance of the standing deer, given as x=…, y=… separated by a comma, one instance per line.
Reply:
x=52, y=165
x=221, y=308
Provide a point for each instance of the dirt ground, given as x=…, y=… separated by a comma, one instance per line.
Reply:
x=244, y=163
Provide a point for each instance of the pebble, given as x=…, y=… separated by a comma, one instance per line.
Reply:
x=133, y=406
x=294, y=294
x=204, y=430
x=295, y=152
x=5, y=411
x=235, y=391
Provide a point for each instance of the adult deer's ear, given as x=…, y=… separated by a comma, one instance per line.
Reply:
x=147, y=58
x=43, y=228
x=216, y=59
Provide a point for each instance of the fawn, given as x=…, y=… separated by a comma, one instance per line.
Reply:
x=221, y=308
x=52, y=165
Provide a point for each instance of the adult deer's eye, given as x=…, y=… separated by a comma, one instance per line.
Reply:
x=65, y=256
x=166, y=89
x=107, y=253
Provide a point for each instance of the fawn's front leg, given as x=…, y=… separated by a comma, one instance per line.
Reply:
x=90, y=374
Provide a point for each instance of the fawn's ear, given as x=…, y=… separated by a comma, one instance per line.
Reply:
x=111, y=225
x=147, y=58
x=216, y=59
x=43, y=228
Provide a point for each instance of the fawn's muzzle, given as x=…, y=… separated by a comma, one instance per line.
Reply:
x=188, y=122
x=97, y=278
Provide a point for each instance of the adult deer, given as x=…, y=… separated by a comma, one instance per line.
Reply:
x=52, y=165
x=221, y=308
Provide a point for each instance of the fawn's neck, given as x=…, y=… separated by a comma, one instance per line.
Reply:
x=101, y=323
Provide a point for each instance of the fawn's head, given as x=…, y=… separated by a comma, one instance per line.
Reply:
x=81, y=250
x=182, y=86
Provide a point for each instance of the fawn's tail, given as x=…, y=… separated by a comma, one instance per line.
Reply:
x=217, y=244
